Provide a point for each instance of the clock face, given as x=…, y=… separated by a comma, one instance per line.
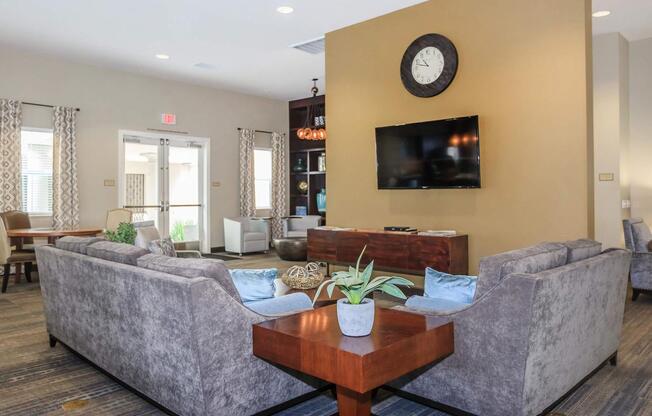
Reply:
x=427, y=65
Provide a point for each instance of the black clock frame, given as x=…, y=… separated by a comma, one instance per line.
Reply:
x=447, y=76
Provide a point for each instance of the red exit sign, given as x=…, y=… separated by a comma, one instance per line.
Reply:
x=169, y=119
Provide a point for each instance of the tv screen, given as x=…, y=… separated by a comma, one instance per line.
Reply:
x=433, y=154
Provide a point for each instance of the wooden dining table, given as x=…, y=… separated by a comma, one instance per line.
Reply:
x=52, y=234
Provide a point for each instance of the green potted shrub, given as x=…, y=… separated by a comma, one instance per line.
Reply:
x=125, y=233
x=355, y=312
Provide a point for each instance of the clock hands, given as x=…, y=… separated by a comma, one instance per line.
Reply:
x=425, y=63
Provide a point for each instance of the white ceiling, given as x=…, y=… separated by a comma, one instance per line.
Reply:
x=245, y=42
x=632, y=18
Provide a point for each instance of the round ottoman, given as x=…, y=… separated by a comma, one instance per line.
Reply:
x=291, y=249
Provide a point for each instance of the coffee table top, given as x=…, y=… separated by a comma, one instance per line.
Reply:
x=311, y=342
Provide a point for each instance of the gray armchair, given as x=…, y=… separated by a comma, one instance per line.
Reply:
x=297, y=227
x=246, y=235
x=637, y=237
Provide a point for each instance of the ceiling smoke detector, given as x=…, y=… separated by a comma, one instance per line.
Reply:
x=313, y=46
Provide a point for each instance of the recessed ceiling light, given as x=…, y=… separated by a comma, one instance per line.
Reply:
x=601, y=13
x=162, y=56
x=285, y=9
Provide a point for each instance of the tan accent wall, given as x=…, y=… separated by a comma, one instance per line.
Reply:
x=523, y=70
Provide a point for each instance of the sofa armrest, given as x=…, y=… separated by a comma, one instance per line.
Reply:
x=641, y=270
x=283, y=305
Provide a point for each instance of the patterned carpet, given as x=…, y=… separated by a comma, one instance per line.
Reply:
x=38, y=380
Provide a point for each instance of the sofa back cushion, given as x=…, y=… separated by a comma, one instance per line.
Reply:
x=641, y=236
x=582, y=249
x=191, y=267
x=76, y=244
x=533, y=259
x=117, y=252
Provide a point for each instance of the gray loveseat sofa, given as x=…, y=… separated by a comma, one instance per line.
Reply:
x=637, y=237
x=542, y=320
x=184, y=342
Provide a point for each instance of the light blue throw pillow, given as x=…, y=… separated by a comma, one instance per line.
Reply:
x=254, y=284
x=456, y=288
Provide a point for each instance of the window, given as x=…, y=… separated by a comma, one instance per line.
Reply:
x=263, y=177
x=36, y=167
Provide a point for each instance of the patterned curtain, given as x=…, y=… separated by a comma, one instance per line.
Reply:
x=11, y=118
x=65, y=196
x=279, y=183
x=247, y=181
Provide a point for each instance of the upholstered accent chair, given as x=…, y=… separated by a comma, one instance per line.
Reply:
x=117, y=216
x=16, y=220
x=146, y=232
x=15, y=258
x=246, y=235
x=543, y=318
x=297, y=227
x=637, y=237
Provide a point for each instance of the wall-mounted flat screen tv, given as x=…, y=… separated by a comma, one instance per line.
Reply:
x=432, y=154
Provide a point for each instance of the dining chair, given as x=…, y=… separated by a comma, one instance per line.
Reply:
x=117, y=216
x=9, y=257
x=15, y=220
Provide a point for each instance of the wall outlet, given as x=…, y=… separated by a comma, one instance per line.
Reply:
x=606, y=177
x=109, y=182
x=626, y=204
x=216, y=184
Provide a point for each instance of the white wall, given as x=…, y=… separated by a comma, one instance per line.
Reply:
x=611, y=135
x=111, y=100
x=641, y=128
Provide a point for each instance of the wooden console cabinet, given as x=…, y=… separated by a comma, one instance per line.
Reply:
x=401, y=252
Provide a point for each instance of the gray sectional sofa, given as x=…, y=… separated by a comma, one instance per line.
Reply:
x=184, y=341
x=637, y=238
x=543, y=318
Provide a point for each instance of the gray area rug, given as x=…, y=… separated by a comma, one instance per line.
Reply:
x=325, y=405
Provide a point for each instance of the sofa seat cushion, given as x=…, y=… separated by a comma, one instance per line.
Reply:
x=117, y=252
x=434, y=306
x=254, y=236
x=76, y=244
x=582, y=249
x=532, y=259
x=192, y=267
x=457, y=288
x=254, y=284
x=283, y=305
x=642, y=236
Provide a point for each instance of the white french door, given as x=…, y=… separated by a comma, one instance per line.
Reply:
x=164, y=178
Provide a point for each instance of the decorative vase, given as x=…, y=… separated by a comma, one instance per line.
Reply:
x=321, y=200
x=356, y=320
x=299, y=166
x=321, y=162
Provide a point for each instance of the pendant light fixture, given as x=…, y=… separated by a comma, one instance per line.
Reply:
x=315, y=126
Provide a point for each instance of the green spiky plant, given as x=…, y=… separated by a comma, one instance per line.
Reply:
x=357, y=285
x=125, y=233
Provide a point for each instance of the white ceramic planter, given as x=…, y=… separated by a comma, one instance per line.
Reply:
x=356, y=320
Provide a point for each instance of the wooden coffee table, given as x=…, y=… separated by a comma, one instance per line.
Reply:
x=311, y=342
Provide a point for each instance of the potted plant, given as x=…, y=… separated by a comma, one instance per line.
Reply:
x=125, y=233
x=355, y=312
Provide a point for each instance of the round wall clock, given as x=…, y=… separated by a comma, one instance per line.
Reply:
x=429, y=65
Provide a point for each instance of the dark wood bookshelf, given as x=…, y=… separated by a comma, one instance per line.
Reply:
x=309, y=151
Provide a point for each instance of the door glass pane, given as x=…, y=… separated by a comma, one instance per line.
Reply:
x=142, y=181
x=184, y=176
x=184, y=224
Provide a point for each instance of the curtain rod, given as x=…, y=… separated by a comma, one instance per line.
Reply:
x=258, y=131
x=44, y=105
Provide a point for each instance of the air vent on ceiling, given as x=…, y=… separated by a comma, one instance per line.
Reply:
x=204, y=65
x=313, y=46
